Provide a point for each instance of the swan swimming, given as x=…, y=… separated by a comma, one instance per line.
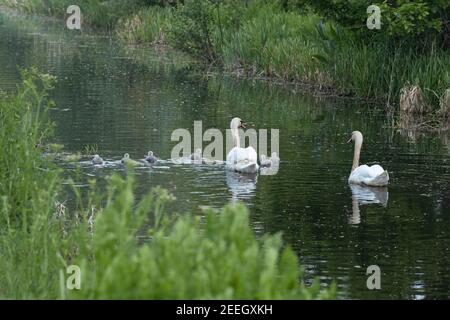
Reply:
x=126, y=159
x=239, y=159
x=150, y=158
x=197, y=155
x=374, y=175
x=274, y=160
x=97, y=160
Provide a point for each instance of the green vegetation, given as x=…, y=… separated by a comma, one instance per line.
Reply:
x=148, y=25
x=315, y=43
x=124, y=247
x=104, y=14
x=415, y=20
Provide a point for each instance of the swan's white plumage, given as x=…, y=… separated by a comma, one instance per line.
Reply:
x=372, y=176
x=239, y=159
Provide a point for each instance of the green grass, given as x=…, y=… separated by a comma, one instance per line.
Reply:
x=28, y=190
x=125, y=248
x=149, y=25
x=97, y=13
x=261, y=39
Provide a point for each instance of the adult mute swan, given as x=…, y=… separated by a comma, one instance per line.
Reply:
x=374, y=175
x=239, y=159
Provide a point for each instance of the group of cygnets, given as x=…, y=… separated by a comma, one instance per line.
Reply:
x=149, y=158
x=196, y=157
x=244, y=160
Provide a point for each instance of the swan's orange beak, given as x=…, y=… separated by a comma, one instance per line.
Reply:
x=242, y=125
x=349, y=140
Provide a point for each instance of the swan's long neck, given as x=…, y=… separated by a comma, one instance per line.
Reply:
x=357, y=153
x=236, y=140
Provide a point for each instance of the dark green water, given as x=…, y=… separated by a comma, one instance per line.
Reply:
x=130, y=100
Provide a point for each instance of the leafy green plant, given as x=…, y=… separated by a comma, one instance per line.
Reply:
x=90, y=149
x=217, y=259
x=191, y=29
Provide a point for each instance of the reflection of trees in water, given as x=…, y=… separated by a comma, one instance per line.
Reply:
x=412, y=127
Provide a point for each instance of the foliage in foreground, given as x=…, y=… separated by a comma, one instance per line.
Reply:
x=108, y=235
x=220, y=259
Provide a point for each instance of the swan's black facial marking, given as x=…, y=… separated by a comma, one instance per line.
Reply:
x=241, y=125
x=351, y=138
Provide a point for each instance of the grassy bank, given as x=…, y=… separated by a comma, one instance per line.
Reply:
x=262, y=39
x=123, y=247
x=96, y=13
x=273, y=40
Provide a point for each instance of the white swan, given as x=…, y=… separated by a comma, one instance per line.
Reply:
x=239, y=159
x=97, y=160
x=374, y=175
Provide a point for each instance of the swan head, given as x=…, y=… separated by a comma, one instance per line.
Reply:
x=356, y=136
x=150, y=154
x=126, y=156
x=236, y=123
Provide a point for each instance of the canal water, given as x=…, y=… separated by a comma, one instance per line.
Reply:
x=129, y=100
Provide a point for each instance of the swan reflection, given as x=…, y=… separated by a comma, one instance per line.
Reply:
x=363, y=195
x=241, y=186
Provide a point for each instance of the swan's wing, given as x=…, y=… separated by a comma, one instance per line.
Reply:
x=251, y=154
x=376, y=170
x=361, y=172
x=232, y=156
x=380, y=180
x=372, y=176
x=242, y=160
x=242, y=155
x=365, y=171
